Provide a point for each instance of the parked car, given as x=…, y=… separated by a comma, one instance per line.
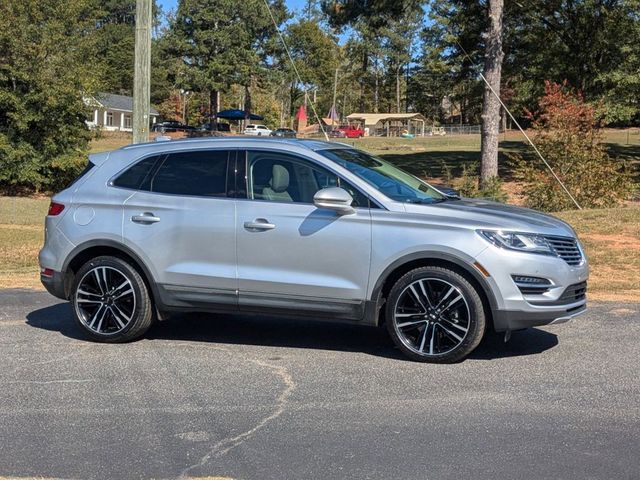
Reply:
x=306, y=229
x=347, y=131
x=171, y=126
x=216, y=127
x=284, y=133
x=257, y=130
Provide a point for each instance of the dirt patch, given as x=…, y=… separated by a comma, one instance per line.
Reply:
x=625, y=296
x=617, y=242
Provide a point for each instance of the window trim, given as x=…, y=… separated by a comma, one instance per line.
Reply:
x=373, y=204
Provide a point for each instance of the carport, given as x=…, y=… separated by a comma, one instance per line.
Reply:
x=390, y=124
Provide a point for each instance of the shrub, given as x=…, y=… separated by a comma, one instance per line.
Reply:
x=568, y=136
x=44, y=68
x=469, y=185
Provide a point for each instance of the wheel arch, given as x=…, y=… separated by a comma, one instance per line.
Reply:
x=96, y=248
x=399, y=267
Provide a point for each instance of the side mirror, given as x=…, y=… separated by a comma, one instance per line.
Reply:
x=334, y=198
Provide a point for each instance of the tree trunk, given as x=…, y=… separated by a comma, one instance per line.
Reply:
x=491, y=105
x=363, y=75
x=211, y=94
x=247, y=106
x=398, y=73
x=375, y=92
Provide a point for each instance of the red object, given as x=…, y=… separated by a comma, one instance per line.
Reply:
x=301, y=116
x=348, y=131
x=46, y=272
x=55, y=209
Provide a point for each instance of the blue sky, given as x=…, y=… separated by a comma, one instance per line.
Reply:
x=292, y=4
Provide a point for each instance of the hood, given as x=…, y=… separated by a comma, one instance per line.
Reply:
x=480, y=213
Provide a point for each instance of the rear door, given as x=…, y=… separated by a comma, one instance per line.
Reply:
x=181, y=222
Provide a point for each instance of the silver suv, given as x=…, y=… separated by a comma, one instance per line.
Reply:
x=301, y=228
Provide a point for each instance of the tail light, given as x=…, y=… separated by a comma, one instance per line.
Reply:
x=55, y=209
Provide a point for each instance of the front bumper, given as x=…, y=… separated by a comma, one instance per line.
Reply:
x=516, y=309
x=509, y=320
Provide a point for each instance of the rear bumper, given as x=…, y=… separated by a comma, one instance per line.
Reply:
x=508, y=320
x=55, y=285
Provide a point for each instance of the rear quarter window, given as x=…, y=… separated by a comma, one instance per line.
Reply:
x=135, y=175
x=84, y=171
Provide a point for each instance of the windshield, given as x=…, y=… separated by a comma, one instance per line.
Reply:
x=389, y=180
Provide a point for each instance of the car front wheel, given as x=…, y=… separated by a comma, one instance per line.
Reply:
x=435, y=315
x=111, y=302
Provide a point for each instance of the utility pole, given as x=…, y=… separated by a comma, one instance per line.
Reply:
x=142, y=72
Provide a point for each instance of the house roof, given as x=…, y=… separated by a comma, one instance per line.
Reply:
x=374, y=118
x=118, y=102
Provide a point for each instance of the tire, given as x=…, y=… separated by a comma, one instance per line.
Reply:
x=435, y=315
x=111, y=301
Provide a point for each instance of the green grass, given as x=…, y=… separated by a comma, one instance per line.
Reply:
x=426, y=156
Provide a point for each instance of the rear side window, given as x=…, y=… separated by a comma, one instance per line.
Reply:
x=135, y=175
x=85, y=170
x=202, y=174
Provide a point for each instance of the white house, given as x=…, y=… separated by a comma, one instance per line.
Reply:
x=113, y=112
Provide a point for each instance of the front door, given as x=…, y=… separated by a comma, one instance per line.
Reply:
x=181, y=222
x=293, y=255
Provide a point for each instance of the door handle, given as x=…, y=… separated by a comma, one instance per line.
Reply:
x=145, y=218
x=259, y=224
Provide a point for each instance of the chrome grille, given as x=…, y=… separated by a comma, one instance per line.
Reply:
x=566, y=248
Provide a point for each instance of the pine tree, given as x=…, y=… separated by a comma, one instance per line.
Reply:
x=222, y=43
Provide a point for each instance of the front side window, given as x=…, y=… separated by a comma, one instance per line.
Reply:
x=389, y=180
x=202, y=173
x=280, y=177
x=109, y=119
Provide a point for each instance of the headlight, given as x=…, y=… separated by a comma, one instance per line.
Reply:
x=522, y=242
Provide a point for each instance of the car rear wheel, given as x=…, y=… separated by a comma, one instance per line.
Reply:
x=111, y=302
x=435, y=315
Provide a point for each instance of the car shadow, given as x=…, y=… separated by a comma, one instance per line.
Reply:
x=290, y=333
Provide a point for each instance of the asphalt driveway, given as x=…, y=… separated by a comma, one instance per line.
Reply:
x=251, y=398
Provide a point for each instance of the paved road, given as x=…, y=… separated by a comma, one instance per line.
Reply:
x=255, y=399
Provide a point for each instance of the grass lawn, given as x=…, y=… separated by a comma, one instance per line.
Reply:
x=611, y=238
x=426, y=157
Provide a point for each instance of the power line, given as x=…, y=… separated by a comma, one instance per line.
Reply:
x=522, y=130
x=295, y=69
